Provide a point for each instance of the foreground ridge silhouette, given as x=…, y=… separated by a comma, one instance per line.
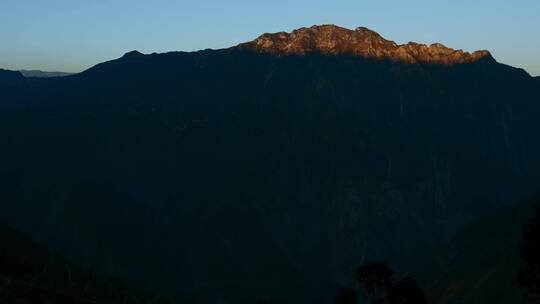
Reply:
x=29, y=273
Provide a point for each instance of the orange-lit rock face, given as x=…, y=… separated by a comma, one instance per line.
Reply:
x=334, y=40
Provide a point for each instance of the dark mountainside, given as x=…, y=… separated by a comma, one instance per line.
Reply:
x=10, y=77
x=43, y=74
x=480, y=264
x=267, y=170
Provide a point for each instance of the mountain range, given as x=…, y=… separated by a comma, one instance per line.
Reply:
x=270, y=169
x=42, y=74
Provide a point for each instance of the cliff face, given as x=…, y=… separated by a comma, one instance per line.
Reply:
x=334, y=40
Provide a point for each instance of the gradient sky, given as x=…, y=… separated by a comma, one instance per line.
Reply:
x=72, y=35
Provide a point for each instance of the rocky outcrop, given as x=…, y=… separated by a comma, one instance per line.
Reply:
x=133, y=54
x=334, y=40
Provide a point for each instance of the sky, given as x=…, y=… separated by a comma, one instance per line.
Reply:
x=73, y=35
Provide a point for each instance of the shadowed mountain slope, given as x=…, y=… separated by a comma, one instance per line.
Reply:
x=480, y=264
x=29, y=273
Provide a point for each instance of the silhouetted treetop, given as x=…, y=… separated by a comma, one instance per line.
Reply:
x=375, y=277
x=529, y=275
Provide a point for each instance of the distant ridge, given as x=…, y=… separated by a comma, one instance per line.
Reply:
x=43, y=74
x=335, y=40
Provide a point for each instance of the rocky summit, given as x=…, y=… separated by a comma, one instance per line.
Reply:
x=335, y=40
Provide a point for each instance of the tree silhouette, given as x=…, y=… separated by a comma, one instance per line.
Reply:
x=529, y=275
x=378, y=287
x=407, y=291
x=375, y=278
x=347, y=296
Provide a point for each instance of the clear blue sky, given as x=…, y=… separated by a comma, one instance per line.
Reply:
x=72, y=35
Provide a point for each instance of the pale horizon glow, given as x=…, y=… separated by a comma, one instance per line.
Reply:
x=73, y=35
